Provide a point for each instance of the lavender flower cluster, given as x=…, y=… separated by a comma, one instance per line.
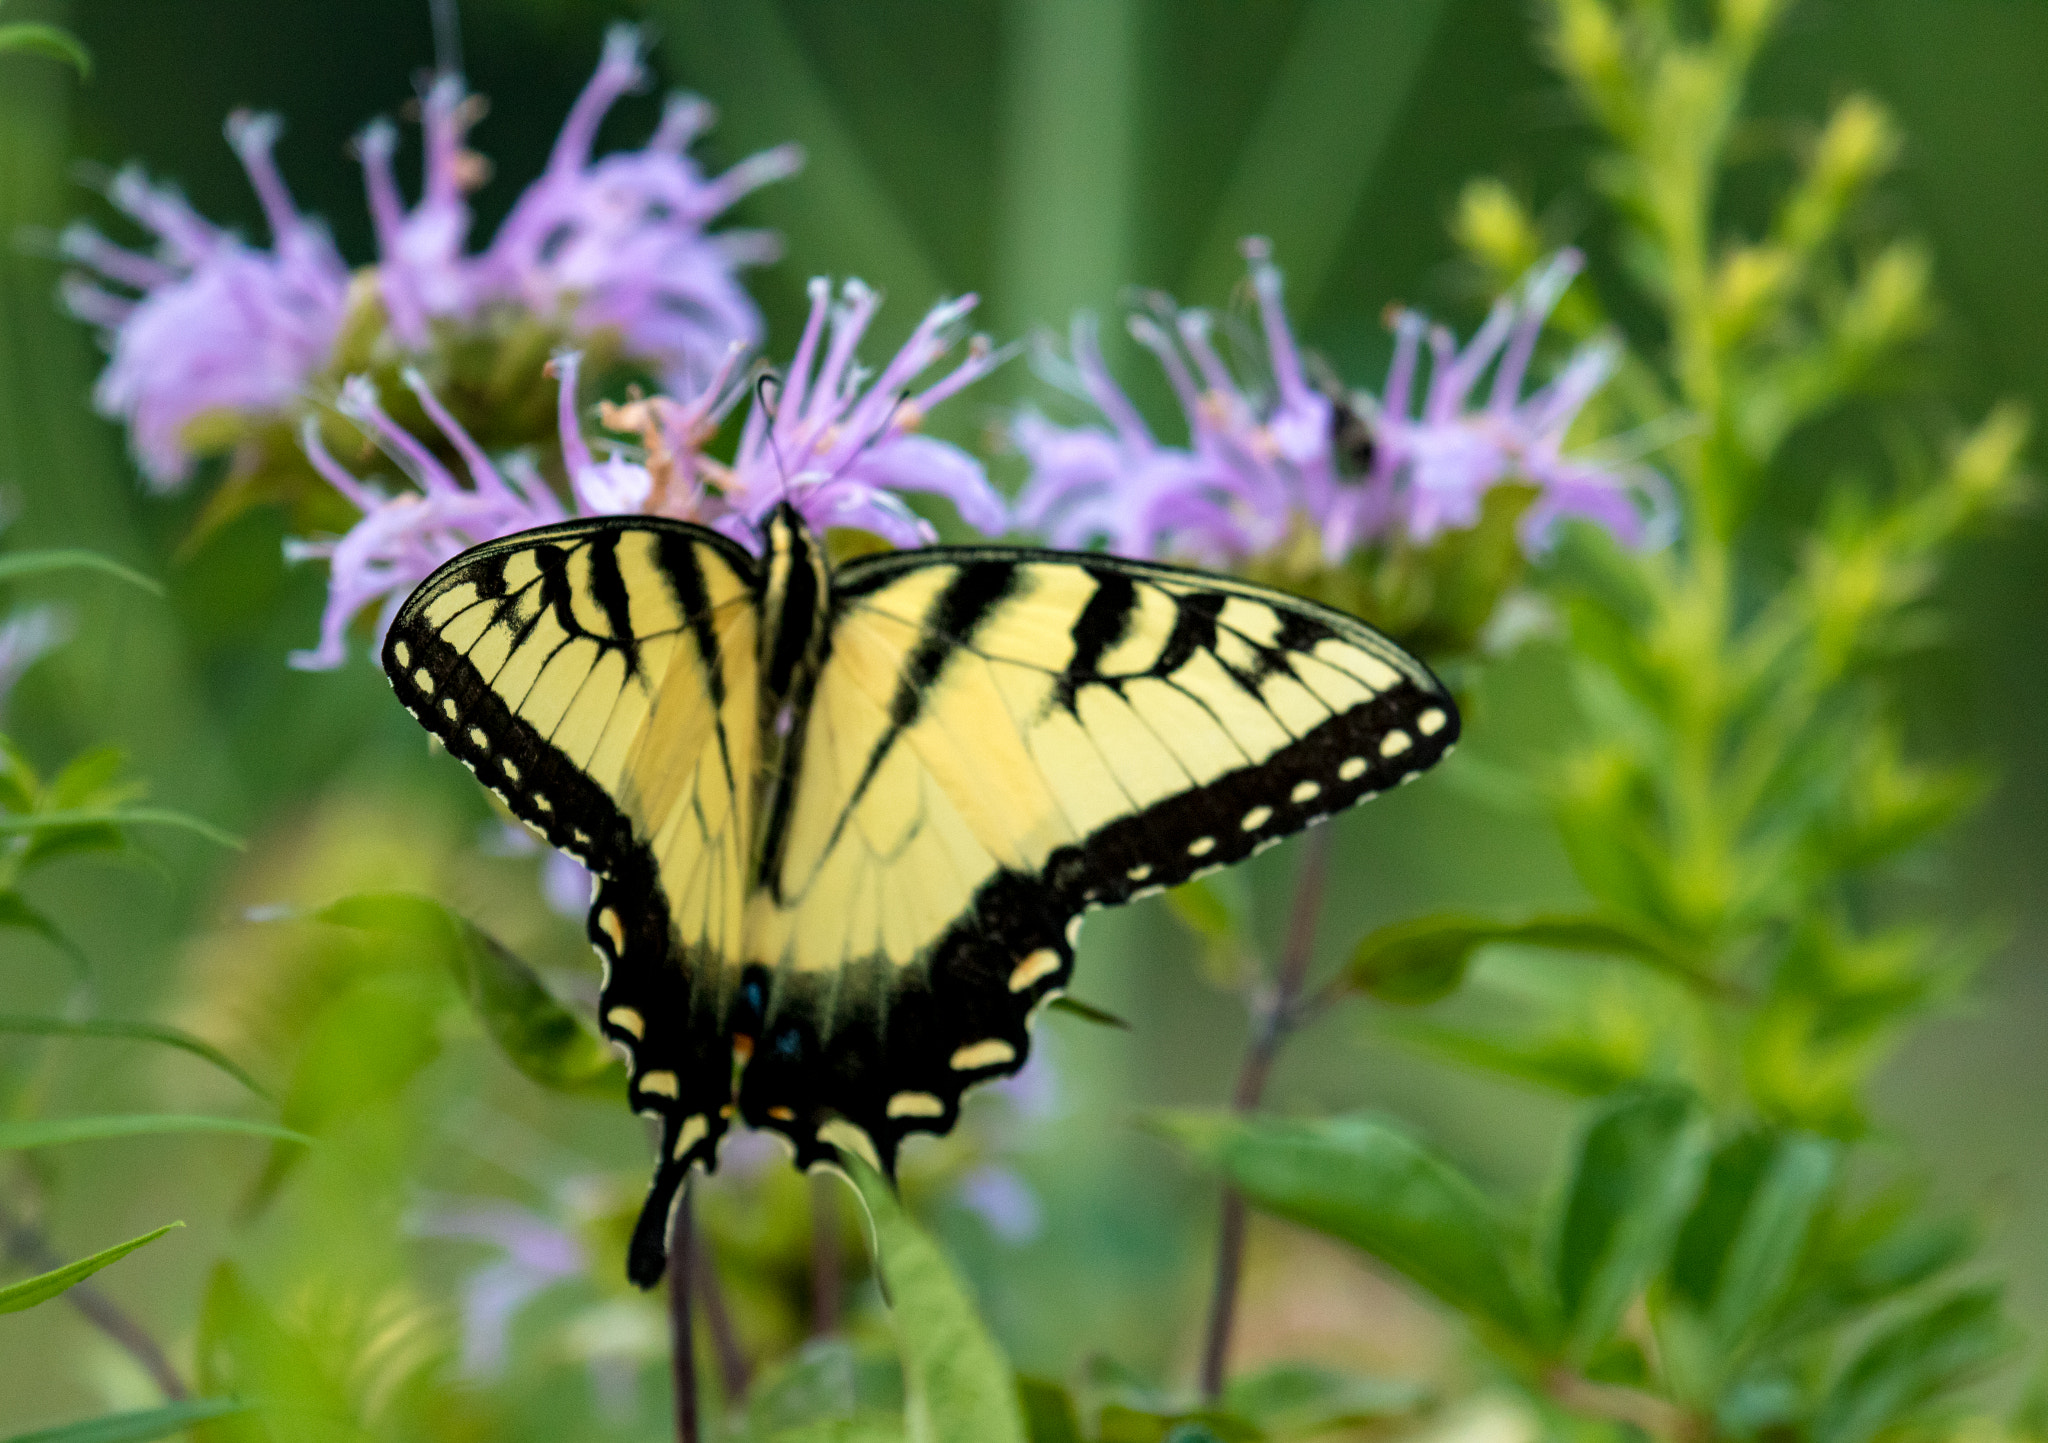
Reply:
x=222, y=330
x=619, y=247
x=1262, y=465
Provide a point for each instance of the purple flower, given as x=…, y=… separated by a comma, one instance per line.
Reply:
x=1260, y=467
x=1003, y=1201
x=615, y=245
x=537, y=1255
x=402, y=538
x=25, y=638
x=622, y=242
x=1433, y=468
x=837, y=443
x=219, y=327
x=421, y=271
x=840, y=444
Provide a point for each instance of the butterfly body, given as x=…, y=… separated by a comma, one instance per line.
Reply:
x=843, y=820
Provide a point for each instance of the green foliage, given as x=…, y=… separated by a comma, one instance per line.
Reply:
x=18, y=564
x=156, y=1032
x=40, y=1289
x=1637, y=1170
x=1425, y=959
x=55, y=1131
x=958, y=1386
x=1290, y=1400
x=142, y=1427
x=86, y=809
x=1709, y=1263
x=1369, y=1182
x=538, y=1035
x=30, y=37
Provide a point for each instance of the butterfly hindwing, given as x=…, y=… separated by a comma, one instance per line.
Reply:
x=1001, y=739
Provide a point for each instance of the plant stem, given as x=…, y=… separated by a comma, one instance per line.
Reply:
x=1274, y=1017
x=825, y=1263
x=734, y=1371
x=27, y=1245
x=682, y=1257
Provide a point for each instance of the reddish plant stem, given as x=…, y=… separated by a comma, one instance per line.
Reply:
x=1274, y=1017
x=682, y=1257
x=735, y=1373
x=825, y=1261
x=27, y=1245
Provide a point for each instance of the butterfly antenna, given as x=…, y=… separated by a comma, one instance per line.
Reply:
x=902, y=400
x=767, y=402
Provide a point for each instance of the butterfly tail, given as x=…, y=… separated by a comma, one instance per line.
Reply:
x=647, y=1258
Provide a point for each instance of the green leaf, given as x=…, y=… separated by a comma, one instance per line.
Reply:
x=51, y=1132
x=142, y=1427
x=32, y=822
x=25, y=1294
x=1736, y=1253
x=1049, y=1414
x=1912, y=1364
x=1208, y=907
x=1639, y=1168
x=91, y=779
x=1296, y=1398
x=959, y=1386
x=1570, y=1062
x=36, y=563
x=15, y=912
x=1366, y=1181
x=828, y=1383
x=537, y=1034
x=31, y=38
x=1426, y=958
x=1075, y=1007
x=132, y=1031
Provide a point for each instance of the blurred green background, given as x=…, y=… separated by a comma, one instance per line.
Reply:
x=1049, y=155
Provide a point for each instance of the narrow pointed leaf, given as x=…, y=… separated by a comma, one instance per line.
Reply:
x=1913, y=1363
x=960, y=1387
x=117, y=817
x=1426, y=958
x=36, y=563
x=25, y=1294
x=1774, y=1230
x=133, y=1031
x=1075, y=1007
x=1367, y=1181
x=51, y=1132
x=16, y=913
x=142, y=1427
x=1639, y=1168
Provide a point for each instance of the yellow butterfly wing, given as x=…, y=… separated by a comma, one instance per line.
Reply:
x=999, y=740
x=600, y=677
